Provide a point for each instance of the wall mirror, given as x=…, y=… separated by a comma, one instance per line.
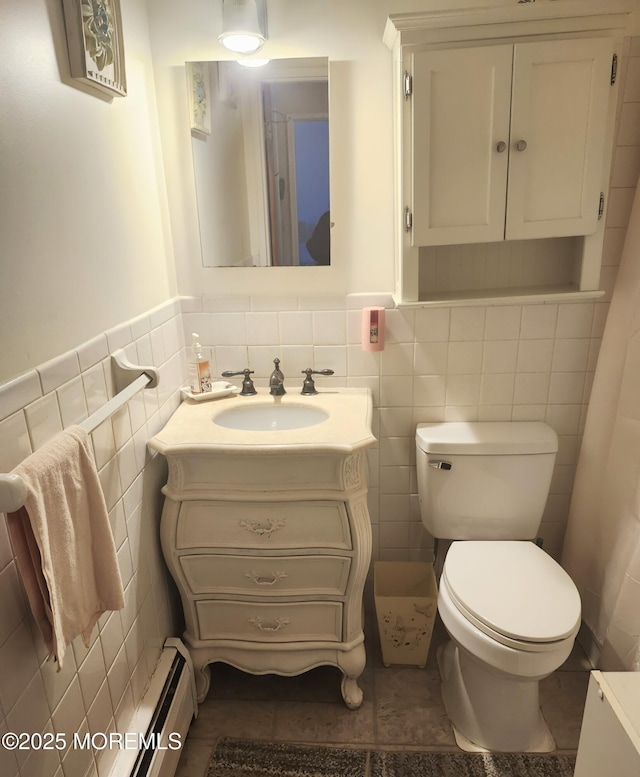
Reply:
x=260, y=142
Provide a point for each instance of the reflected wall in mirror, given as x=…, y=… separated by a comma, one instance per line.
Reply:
x=262, y=169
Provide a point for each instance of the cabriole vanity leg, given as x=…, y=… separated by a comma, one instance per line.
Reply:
x=351, y=692
x=352, y=665
x=202, y=676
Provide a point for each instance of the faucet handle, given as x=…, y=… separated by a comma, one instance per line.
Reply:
x=309, y=387
x=248, y=389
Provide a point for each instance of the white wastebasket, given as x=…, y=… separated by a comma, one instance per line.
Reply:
x=406, y=598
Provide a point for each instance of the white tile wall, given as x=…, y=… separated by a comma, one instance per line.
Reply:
x=528, y=362
x=99, y=687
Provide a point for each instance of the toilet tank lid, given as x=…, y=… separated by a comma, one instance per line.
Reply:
x=487, y=438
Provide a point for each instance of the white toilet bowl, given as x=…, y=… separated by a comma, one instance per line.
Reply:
x=512, y=614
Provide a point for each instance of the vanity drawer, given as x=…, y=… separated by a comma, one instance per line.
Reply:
x=262, y=622
x=318, y=524
x=266, y=575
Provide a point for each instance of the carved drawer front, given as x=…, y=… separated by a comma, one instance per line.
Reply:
x=262, y=622
x=263, y=525
x=266, y=575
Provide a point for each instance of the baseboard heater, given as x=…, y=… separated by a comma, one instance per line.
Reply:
x=160, y=725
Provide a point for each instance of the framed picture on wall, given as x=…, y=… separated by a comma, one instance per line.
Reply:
x=95, y=43
x=199, y=90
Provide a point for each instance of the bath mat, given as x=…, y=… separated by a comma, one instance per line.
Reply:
x=242, y=758
x=406, y=764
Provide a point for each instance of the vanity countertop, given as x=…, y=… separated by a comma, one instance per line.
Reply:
x=192, y=428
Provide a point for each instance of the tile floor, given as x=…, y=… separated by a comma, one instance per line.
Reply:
x=402, y=707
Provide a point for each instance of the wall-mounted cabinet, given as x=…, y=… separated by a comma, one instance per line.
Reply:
x=504, y=129
x=508, y=140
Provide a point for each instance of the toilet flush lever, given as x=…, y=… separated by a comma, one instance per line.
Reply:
x=440, y=464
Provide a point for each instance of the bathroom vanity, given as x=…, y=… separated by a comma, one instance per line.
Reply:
x=266, y=532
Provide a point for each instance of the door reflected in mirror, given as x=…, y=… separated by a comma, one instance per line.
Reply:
x=260, y=142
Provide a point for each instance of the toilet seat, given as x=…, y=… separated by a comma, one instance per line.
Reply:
x=513, y=592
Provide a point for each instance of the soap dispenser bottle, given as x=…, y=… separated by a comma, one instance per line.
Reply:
x=198, y=367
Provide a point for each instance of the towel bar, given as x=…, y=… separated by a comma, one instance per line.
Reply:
x=129, y=379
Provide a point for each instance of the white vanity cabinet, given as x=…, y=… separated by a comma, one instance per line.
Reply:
x=504, y=129
x=268, y=538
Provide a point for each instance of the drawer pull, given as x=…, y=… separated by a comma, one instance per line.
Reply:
x=259, y=579
x=263, y=529
x=274, y=625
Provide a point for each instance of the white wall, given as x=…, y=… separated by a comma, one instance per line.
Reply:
x=85, y=268
x=84, y=232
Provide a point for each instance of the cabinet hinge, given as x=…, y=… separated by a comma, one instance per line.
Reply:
x=407, y=84
x=408, y=219
x=614, y=69
x=601, y=206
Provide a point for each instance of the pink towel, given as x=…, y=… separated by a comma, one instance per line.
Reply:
x=63, y=541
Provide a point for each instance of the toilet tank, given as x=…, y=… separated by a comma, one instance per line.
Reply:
x=484, y=480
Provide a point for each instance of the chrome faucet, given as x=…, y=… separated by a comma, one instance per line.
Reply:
x=276, y=381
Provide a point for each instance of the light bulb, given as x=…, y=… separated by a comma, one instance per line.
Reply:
x=241, y=42
x=253, y=62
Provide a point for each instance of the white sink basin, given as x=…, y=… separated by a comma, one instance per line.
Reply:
x=329, y=422
x=268, y=418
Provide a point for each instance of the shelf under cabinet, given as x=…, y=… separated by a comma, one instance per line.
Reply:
x=495, y=273
x=519, y=296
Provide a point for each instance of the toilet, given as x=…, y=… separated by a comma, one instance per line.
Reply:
x=511, y=612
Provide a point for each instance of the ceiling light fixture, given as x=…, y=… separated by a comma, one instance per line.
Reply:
x=244, y=25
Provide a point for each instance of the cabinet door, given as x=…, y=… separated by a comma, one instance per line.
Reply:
x=558, y=118
x=460, y=108
x=608, y=741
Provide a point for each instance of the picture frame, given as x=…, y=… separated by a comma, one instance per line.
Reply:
x=199, y=91
x=95, y=44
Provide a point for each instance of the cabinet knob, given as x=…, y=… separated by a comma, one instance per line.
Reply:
x=521, y=145
x=501, y=146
